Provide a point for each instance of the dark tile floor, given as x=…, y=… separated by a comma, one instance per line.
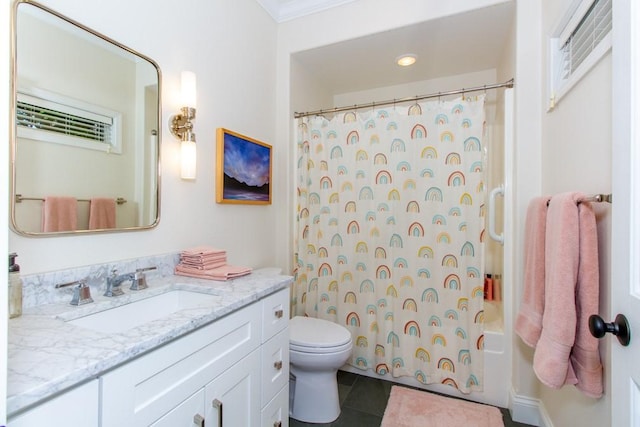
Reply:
x=363, y=401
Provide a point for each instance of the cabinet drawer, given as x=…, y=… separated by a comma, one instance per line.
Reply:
x=143, y=390
x=275, y=365
x=276, y=413
x=275, y=313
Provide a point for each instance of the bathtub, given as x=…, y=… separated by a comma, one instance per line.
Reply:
x=497, y=366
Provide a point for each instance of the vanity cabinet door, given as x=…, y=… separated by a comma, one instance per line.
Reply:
x=75, y=408
x=185, y=414
x=233, y=398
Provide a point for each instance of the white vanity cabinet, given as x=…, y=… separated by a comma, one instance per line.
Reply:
x=231, y=370
x=75, y=408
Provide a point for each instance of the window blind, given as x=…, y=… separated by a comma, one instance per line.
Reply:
x=52, y=120
x=590, y=31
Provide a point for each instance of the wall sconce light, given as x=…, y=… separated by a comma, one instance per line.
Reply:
x=182, y=127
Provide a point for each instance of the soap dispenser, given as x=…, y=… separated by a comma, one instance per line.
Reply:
x=15, y=287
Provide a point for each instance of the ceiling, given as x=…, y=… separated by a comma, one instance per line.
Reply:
x=453, y=45
x=457, y=44
x=285, y=10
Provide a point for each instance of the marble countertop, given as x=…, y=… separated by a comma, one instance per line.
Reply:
x=47, y=355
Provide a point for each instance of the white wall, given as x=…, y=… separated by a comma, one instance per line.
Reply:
x=576, y=156
x=231, y=46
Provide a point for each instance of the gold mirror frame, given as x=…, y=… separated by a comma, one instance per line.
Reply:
x=16, y=197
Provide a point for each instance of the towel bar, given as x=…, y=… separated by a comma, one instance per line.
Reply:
x=20, y=198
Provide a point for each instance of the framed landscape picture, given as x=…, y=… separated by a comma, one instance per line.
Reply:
x=243, y=173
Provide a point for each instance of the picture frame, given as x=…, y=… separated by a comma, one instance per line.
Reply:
x=244, y=166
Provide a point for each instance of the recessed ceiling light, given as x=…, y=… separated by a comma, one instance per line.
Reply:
x=406, y=59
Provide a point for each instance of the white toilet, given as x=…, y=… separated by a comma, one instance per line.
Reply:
x=317, y=348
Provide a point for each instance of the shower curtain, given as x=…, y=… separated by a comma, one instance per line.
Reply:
x=389, y=239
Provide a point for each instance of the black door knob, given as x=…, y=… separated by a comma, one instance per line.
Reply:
x=619, y=328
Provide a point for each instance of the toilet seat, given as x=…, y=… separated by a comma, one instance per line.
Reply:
x=311, y=335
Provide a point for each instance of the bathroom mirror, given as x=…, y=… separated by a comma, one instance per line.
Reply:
x=86, y=129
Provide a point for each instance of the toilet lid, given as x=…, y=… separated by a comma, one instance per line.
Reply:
x=316, y=333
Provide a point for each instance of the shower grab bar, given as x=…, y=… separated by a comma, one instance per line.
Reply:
x=498, y=191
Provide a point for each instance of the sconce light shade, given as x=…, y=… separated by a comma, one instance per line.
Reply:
x=181, y=125
x=188, y=89
x=188, y=159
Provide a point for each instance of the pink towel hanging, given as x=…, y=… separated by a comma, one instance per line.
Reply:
x=102, y=213
x=59, y=213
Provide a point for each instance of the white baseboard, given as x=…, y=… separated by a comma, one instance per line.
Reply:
x=530, y=411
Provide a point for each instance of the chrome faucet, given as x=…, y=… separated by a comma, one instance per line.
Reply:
x=114, y=281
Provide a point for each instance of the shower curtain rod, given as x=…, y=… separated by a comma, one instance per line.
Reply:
x=507, y=84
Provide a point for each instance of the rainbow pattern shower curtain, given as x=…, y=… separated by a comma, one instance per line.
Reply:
x=389, y=240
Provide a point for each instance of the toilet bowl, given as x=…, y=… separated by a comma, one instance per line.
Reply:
x=317, y=348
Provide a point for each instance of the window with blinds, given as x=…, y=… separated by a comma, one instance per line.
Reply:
x=64, y=121
x=583, y=37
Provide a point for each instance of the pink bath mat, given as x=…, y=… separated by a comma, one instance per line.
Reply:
x=414, y=408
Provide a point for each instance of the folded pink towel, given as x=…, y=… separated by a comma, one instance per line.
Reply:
x=202, y=250
x=221, y=273
x=59, y=214
x=102, y=213
x=585, y=357
x=203, y=258
x=529, y=320
x=204, y=265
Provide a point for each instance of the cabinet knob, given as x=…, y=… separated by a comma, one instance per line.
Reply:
x=218, y=405
x=279, y=313
x=277, y=424
x=198, y=420
x=278, y=365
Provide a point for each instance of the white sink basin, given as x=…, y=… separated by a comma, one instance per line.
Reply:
x=127, y=316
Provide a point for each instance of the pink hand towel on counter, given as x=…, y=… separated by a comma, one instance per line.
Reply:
x=551, y=359
x=585, y=357
x=102, y=213
x=202, y=250
x=59, y=214
x=221, y=273
x=529, y=320
x=208, y=265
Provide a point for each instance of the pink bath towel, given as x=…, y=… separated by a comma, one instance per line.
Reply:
x=102, y=213
x=59, y=214
x=529, y=320
x=562, y=246
x=564, y=354
x=585, y=357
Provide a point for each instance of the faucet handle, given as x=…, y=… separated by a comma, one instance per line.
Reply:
x=81, y=292
x=139, y=279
